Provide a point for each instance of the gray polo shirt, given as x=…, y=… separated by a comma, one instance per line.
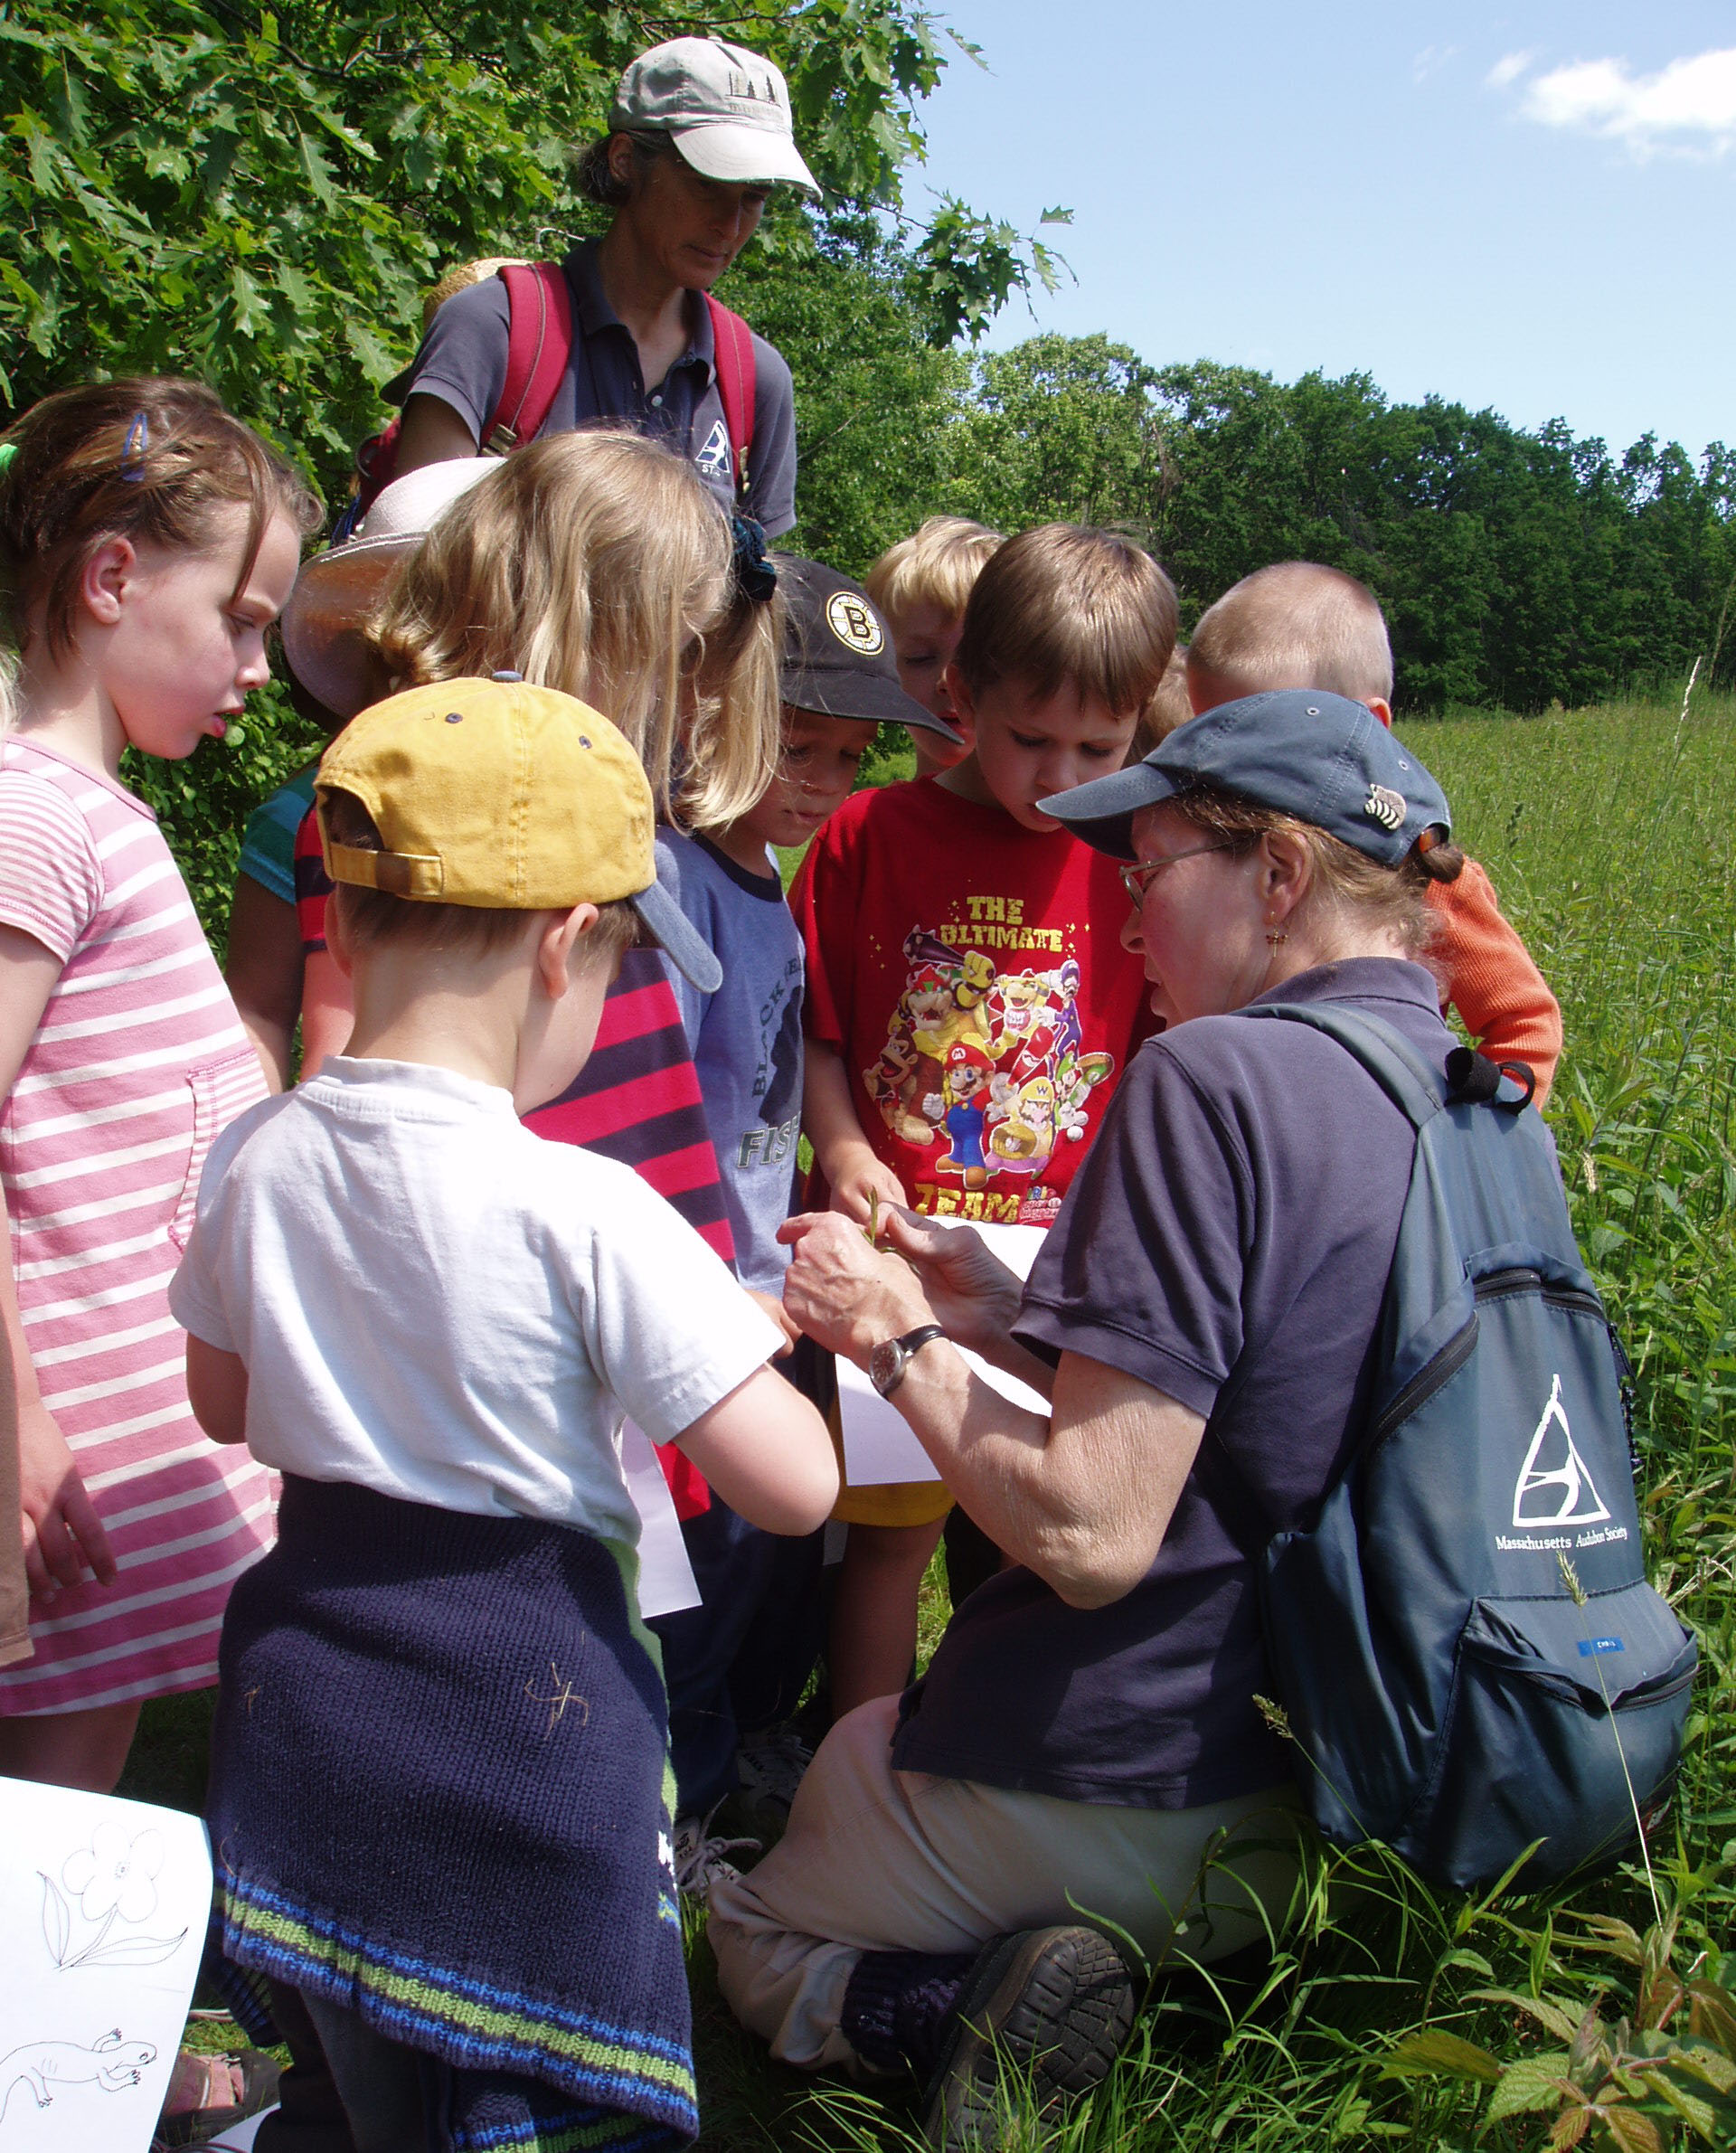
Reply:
x=463, y=361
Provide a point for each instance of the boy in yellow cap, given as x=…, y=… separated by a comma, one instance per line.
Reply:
x=439, y=1793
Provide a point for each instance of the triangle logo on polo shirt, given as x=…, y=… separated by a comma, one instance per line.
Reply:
x=713, y=458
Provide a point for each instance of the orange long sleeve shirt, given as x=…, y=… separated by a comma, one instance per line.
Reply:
x=1489, y=975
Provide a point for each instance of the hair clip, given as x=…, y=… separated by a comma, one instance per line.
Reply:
x=8, y=454
x=135, y=448
x=756, y=578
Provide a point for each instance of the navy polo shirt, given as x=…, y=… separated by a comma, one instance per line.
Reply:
x=463, y=361
x=1227, y=1241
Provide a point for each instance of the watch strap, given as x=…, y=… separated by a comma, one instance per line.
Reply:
x=925, y=1333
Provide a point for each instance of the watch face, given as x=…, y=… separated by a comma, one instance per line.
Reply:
x=885, y=1365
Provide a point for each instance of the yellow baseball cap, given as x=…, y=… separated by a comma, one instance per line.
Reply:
x=506, y=797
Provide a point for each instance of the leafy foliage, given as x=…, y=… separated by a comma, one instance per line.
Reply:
x=878, y=396
x=1632, y=2087
x=261, y=197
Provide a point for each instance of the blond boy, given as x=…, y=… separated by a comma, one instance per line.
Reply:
x=922, y=585
x=1299, y=624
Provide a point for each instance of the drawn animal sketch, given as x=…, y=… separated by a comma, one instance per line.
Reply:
x=44, y=2067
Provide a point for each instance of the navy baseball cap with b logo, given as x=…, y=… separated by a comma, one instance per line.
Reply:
x=1321, y=758
x=838, y=657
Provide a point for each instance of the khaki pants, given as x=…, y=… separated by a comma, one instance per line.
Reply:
x=881, y=1860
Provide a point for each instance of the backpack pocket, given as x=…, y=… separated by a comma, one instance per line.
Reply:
x=1548, y=1700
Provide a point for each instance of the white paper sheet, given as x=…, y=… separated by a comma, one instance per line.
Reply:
x=240, y=2136
x=103, y=1910
x=879, y=1447
x=666, y=1575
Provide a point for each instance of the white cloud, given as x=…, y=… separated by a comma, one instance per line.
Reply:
x=1430, y=60
x=1508, y=69
x=1690, y=105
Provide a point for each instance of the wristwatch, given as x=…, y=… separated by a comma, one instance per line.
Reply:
x=891, y=1356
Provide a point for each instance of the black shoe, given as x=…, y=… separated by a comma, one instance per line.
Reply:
x=1044, y=2014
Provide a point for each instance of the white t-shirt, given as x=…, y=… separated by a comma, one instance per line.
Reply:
x=434, y=1303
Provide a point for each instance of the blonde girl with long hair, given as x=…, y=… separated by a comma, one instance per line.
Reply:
x=596, y=562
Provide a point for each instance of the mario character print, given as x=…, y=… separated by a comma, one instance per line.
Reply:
x=983, y=1070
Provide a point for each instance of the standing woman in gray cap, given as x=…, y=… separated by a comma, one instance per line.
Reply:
x=699, y=134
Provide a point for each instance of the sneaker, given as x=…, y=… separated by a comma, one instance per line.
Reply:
x=770, y=1764
x=1042, y=2014
x=702, y=1856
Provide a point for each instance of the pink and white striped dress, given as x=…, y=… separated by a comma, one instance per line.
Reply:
x=140, y=1060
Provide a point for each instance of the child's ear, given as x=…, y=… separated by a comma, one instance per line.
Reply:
x=106, y=575
x=964, y=704
x=1381, y=708
x=1204, y=691
x=561, y=935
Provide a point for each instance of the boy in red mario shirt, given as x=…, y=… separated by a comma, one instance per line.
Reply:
x=970, y=1007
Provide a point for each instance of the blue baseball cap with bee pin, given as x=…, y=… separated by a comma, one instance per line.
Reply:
x=1321, y=758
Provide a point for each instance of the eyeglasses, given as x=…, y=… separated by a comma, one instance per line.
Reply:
x=1136, y=873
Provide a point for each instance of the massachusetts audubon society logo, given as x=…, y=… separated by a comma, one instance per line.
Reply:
x=713, y=458
x=1555, y=1489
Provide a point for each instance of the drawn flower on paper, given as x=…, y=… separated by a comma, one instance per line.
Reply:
x=112, y=1880
x=115, y=1875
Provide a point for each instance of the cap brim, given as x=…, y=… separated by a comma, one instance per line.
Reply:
x=676, y=936
x=728, y=149
x=322, y=623
x=1102, y=812
x=860, y=696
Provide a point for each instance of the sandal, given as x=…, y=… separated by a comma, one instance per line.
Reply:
x=214, y=2092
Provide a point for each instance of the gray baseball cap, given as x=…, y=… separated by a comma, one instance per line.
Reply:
x=725, y=108
x=1321, y=758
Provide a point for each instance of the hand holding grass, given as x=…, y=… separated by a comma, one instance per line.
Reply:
x=846, y=1292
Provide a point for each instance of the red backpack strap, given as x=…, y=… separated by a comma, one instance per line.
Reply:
x=736, y=382
x=539, y=342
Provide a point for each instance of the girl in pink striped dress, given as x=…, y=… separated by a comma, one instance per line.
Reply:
x=146, y=540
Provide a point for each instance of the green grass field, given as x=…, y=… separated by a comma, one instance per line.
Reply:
x=1608, y=835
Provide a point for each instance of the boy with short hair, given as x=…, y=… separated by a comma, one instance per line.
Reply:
x=438, y=1795
x=1299, y=624
x=923, y=586
x=970, y=1007
x=737, y=1664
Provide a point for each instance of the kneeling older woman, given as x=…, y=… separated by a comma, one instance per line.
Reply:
x=1200, y=1315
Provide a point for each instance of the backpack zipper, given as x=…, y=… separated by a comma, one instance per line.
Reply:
x=1498, y=1285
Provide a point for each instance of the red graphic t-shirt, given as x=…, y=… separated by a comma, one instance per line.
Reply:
x=971, y=975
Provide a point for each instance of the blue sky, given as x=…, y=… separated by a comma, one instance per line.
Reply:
x=1528, y=207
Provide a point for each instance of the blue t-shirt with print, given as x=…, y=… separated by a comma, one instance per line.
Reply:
x=746, y=1041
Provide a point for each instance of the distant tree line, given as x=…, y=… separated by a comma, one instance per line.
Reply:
x=1518, y=568
x=262, y=195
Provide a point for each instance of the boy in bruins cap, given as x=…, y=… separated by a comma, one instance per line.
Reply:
x=737, y=1664
x=438, y=1782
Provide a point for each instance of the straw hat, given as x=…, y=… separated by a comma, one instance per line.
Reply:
x=338, y=588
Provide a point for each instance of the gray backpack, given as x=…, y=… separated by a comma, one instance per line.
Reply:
x=1464, y=1633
